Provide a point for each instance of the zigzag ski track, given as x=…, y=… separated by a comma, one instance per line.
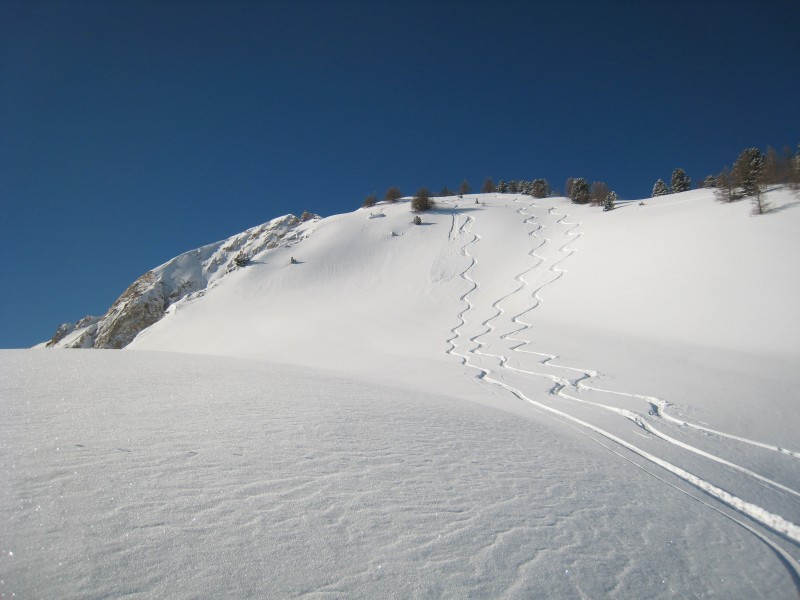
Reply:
x=566, y=392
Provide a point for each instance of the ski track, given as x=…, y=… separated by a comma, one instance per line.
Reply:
x=657, y=408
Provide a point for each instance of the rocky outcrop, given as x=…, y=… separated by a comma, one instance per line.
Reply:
x=181, y=279
x=141, y=305
x=73, y=333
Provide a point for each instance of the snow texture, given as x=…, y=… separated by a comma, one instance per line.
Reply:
x=519, y=398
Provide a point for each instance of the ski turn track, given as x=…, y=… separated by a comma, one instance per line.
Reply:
x=550, y=241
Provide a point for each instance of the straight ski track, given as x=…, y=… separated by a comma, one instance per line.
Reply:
x=551, y=236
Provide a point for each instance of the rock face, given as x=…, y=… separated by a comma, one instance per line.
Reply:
x=74, y=335
x=141, y=305
x=179, y=280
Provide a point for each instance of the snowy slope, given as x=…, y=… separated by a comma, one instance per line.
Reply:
x=151, y=475
x=659, y=339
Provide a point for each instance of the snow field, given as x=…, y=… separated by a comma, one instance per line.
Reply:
x=164, y=475
x=579, y=403
x=541, y=302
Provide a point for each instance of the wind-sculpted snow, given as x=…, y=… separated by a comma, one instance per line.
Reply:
x=157, y=475
x=531, y=399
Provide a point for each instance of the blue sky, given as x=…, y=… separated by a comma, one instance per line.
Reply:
x=133, y=131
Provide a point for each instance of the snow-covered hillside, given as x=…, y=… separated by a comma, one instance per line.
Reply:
x=517, y=398
x=187, y=276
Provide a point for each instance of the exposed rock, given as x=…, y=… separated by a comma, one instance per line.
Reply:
x=66, y=332
x=181, y=279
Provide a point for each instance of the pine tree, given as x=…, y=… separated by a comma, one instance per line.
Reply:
x=464, y=188
x=748, y=171
x=659, y=189
x=540, y=188
x=579, y=192
x=680, y=181
x=488, y=186
x=710, y=181
x=502, y=187
x=610, y=202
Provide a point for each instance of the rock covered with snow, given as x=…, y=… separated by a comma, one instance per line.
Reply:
x=181, y=279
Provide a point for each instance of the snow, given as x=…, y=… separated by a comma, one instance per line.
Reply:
x=519, y=398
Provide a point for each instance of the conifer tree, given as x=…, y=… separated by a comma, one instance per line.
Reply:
x=680, y=181
x=748, y=171
x=710, y=181
x=659, y=189
x=540, y=188
x=579, y=192
x=502, y=187
x=488, y=186
x=464, y=188
x=610, y=202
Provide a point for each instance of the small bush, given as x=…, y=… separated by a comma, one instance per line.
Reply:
x=393, y=194
x=369, y=201
x=422, y=201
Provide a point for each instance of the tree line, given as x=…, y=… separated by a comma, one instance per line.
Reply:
x=752, y=172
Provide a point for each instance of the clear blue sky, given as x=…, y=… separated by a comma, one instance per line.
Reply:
x=133, y=131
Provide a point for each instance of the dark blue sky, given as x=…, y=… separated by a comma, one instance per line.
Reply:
x=133, y=131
